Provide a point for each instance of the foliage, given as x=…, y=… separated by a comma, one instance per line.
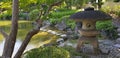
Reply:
x=34, y=14
x=47, y=52
x=71, y=23
x=108, y=27
x=6, y=11
x=112, y=10
x=5, y=15
x=73, y=52
x=75, y=3
x=60, y=14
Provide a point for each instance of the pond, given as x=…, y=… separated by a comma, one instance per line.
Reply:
x=24, y=27
x=17, y=45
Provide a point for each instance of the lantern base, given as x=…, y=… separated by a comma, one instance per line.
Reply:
x=93, y=41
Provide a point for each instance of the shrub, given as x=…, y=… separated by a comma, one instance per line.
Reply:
x=34, y=14
x=6, y=15
x=47, y=52
x=114, y=10
x=71, y=23
x=61, y=14
x=108, y=27
x=73, y=52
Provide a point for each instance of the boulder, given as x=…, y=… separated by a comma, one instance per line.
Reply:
x=61, y=26
x=118, y=40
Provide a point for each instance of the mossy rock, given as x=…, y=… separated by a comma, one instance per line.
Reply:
x=47, y=52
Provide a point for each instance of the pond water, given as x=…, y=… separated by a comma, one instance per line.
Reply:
x=23, y=28
x=17, y=45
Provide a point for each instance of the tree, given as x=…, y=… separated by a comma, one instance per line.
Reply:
x=36, y=30
x=11, y=39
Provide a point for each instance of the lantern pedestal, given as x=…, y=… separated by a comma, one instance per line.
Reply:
x=88, y=33
x=92, y=40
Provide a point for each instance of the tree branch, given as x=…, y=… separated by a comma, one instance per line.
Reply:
x=54, y=4
x=27, y=39
x=5, y=35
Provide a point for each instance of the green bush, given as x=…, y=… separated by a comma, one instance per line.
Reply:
x=6, y=15
x=73, y=52
x=60, y=14
x=71, y=23
x=114, y=10
x=108, y=27
x=34, y=14
x=47, y=52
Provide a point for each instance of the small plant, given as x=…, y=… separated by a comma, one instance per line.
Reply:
x=71, y=23
x=108, y=27
x=47, y=52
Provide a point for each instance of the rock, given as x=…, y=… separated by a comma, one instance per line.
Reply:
x=76, y=57
x=114, y=53
x=53, y=32
x=46, y=23
x=108, y=42
x=49, y=30
x=58, y=34
x=104, y=50
x=119, y=34
x=118, y=41
x=61, y=26
x=69, y=31
x=118, y=30
x=60, y=42
x=63, y=35
x=44, y=30
x=117, y=45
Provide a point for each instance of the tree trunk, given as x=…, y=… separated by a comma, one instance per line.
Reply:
x=10, y=41
x=25, y=43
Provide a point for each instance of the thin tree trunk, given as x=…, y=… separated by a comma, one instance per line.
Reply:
x=25, y=43
x=10, y=41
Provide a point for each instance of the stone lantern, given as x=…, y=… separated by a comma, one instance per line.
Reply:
x=88, y=17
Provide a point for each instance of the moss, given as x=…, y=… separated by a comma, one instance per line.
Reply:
x=73, y=52
x=47, y=52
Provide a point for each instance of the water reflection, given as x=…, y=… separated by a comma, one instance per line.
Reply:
x=17, y=45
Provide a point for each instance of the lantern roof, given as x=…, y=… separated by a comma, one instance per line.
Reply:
x=90, y=14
